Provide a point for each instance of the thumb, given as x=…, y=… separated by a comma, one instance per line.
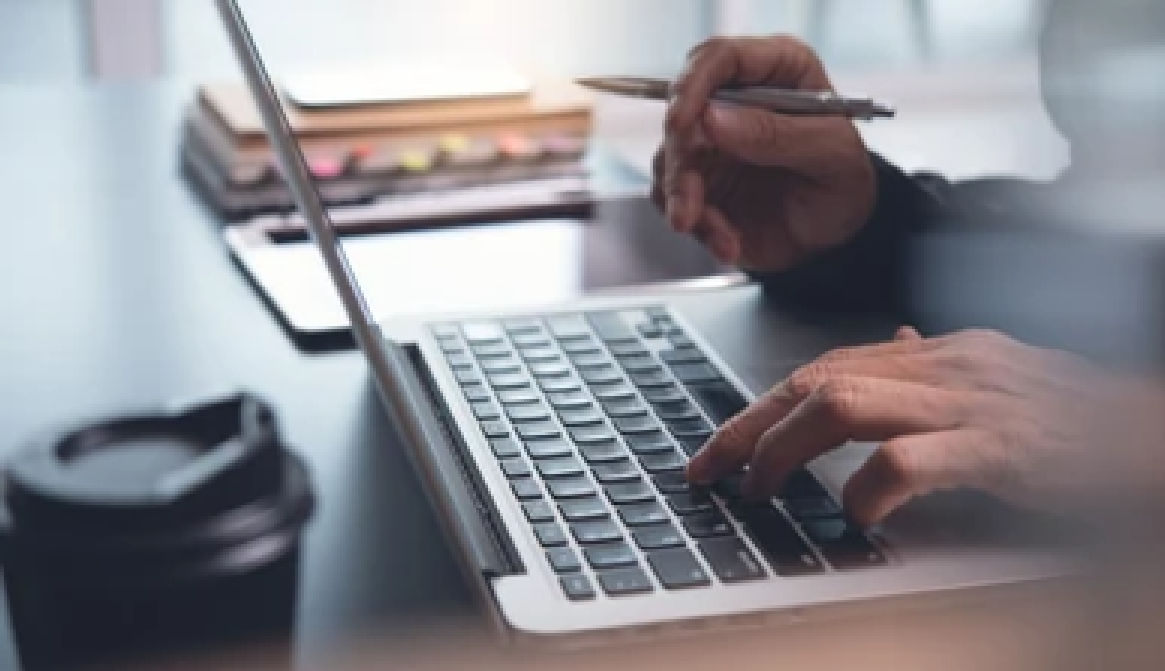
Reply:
x=764, y=138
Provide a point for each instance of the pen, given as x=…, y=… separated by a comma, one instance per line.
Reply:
x=781, y=101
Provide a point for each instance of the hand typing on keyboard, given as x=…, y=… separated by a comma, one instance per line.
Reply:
x=974, y=409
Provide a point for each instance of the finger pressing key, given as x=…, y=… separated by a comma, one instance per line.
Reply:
x=843, y=409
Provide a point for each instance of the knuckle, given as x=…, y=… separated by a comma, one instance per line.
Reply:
x=837, y=397
x=806, y=379
x=730, y=433
x=897, y=465
x=708, y=47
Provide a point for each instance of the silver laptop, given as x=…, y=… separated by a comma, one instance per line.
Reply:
x=552, y=446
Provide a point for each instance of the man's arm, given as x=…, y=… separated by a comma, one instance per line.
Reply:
x=871, y=272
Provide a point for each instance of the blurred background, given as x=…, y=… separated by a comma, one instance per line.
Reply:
x=974, y=58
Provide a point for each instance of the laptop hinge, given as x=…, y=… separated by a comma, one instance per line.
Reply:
x=474, y=506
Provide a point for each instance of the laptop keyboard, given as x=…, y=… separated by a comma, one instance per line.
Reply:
x=592, y=417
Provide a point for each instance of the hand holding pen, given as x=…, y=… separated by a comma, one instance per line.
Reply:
x=762, y=190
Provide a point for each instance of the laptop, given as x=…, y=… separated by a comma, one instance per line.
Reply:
x=552, y=446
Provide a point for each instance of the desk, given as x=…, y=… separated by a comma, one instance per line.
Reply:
x=117, y=293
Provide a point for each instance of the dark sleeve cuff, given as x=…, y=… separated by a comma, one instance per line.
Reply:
x=868, y=273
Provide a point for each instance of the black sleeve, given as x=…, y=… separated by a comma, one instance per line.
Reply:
x=870, y=273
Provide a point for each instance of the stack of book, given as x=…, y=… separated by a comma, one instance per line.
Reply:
x=361, y=154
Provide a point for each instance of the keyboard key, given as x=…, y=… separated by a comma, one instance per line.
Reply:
x=596, y=531
x=475, y=392
x=786, y=552
x=482, y=332
x=600, y=375
x=559, y=467
x=522, y=325
x=527, y=412
x=719, y=399
x=525, y=488
x=610, y=555
x=636, y=424
x=563, y=560
x=639, y=514
x=540, y=449
x=649, y=330
x=646, y=379
x=499, y=366
x=629, y=492
x=624, y=407
x=580, y=416
x=681, y=341
x=495, y=429
x=676, y=410
x=664, y=394
x=596, y=359
x=444, y=331
x=626, y=348
x=689, y=373
x=491, y=351
x=728, y=487
x=515, y=468
x=466, y=377
x=701, y=525
x=693, y=442
x=842, y=543
x=812, y=507
x=557, y=384
x=657, y=312
x=649, y=443
x=671, y=482
x=586, y=508
x=730, y=559
x=577, y=587
x=569, y=399
x=613, y=391
x=640, y=363
x=541, y=429
x=538, y=511
x=451, y=347
x=459, y=360
x=505, y=448
x=508, y=380
x=581, y=345
x=689, y=502
x=570, y=488
x=568, y=326
x=685, y=355
x=537, y=354
x=610, y=326
x=802, y=484
x=609, y=450
x=486, y=410
x=591, y=434
x=615, y=471
x=518, y=395
x=619, y=581
x=549, y=369
x=662, y=461
x=677, y=568
x=530, y=340
x=657, y=536
x=689, y=427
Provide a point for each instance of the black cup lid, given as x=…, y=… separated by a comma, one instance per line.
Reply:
x=147, y=471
